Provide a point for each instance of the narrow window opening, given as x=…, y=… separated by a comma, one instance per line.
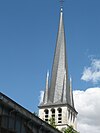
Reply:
x=53, y=114
x=46, y=115
x=59, y=115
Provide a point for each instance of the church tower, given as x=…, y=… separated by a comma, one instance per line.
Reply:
x=58, y=100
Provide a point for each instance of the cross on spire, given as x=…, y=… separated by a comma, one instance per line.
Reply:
x=61, y=3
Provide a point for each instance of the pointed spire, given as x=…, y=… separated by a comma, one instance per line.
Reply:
x=46, y=89
x=60, y=89
x=71, y=93
x=59, y=67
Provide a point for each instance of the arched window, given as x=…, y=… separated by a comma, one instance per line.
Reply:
x=53, y=113
x=59, y=115
x=46, y=111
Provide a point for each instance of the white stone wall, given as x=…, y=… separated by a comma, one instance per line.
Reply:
x=67, y=119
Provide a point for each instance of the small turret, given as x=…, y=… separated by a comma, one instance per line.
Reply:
x=71, y=94
x=45, y=99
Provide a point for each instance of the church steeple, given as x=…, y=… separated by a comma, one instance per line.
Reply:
x=58, y=96
x=59, y=90
x=59, y=68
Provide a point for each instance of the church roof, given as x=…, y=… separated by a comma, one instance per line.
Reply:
x=59, y=90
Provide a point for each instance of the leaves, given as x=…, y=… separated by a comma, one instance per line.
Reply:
x=70, y=130
x=52, y=122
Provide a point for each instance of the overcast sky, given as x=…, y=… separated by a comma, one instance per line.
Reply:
x=28, y=31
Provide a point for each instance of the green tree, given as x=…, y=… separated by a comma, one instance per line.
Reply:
x=70, y=130
x=52, y=122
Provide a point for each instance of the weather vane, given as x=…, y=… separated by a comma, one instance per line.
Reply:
x=61, y=3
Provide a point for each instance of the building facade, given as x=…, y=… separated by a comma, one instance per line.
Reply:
x=16, y=119
x=58, y=100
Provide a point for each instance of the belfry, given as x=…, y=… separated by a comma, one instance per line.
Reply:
x=58, y=100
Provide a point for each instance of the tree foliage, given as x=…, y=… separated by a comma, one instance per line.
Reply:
x=52, y=122
x=70, y=130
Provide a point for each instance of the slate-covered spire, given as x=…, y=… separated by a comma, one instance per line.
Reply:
x=58, y=86
x=59, y=91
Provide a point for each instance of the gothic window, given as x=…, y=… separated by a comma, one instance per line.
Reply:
x=46, y=111
x=53, y=114
x=59, y=115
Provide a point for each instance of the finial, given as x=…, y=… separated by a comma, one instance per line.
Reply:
x=61, y=9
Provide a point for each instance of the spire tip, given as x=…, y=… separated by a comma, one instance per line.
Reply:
x=61, y=9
